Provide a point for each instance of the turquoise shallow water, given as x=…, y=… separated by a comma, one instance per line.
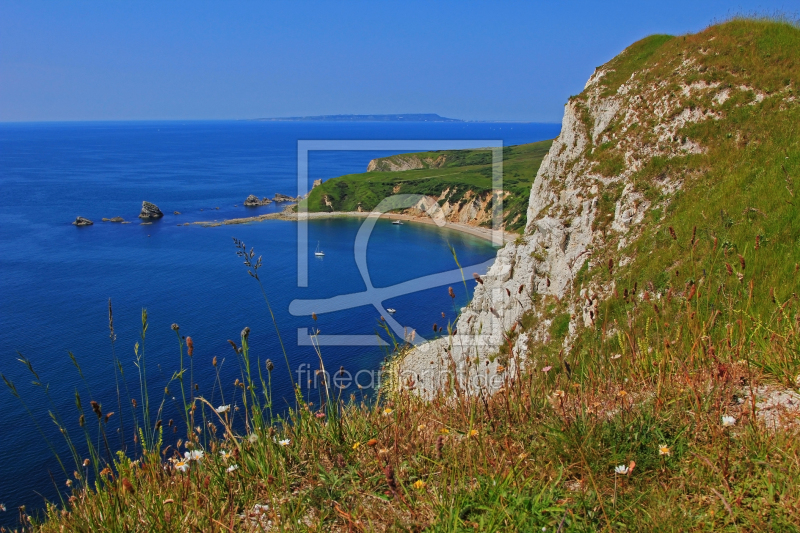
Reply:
x=55, y=279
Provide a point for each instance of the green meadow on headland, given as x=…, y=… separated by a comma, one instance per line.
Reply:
x=455, y=176
x=670, y=409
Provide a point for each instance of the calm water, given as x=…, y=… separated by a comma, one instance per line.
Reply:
x=55, y=278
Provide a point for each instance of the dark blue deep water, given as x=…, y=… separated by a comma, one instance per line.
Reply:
x=56, y=279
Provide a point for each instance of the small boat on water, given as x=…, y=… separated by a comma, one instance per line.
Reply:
x=390, y=310
x=318, y=252
x=398, y=222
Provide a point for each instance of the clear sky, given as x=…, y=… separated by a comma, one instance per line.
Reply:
x=110, y=60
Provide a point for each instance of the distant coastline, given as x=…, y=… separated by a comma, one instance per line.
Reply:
x=411, y=117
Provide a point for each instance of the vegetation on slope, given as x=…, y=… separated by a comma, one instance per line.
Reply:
x=648, y=423
x=460, y=175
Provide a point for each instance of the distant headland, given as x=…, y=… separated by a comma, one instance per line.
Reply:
x=412, y=117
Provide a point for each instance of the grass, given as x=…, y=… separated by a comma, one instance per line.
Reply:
x=464, y=175
x=629, y=430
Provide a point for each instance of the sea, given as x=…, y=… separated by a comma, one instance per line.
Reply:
x=56, y=279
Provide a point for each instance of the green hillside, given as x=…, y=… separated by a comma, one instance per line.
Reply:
x=461, y=171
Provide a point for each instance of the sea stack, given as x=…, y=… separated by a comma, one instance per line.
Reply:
x=80, y=221
x=253, y=201
x=150, y=211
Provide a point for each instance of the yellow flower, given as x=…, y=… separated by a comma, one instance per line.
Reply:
x=444, y=431
x=419, y=484
x=664, y=450
x=473, y=432
x=356, y=445
x=421, y=427
x=387, y=412
x=622, y=394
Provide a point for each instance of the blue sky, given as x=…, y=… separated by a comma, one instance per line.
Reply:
x=230, y=60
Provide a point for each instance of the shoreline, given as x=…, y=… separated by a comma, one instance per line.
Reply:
x=475, y=231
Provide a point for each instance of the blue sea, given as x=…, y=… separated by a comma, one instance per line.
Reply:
x=56, y=278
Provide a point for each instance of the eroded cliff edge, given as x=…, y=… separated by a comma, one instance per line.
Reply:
x=587, y=204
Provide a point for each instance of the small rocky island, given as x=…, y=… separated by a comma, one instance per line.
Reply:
x=81, y=221
x=284, y=198
x=253, y=201
x=150, y=210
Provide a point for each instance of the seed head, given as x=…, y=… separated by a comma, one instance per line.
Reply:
x=314, y=316
x=451, y=292
x=96, y=409
x=477, y=278
x=189, y=346
x=175, y=327
x=214, y=361
x=741, y=261
x=245, y=333
x=270, y=366
x=672, y=234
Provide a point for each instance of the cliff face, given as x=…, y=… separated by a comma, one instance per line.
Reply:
x=589, y=202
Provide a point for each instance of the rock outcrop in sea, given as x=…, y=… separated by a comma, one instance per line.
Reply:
x=81, y=221
x=150, y=210
x=284, y=198
x=253, y=201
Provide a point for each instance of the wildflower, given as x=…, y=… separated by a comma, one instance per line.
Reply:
x=252, y=438
x=372, y=443
x=473, y=432
x=383, y=451
x=547, y=369
x=621, y=470
x=423, y=426
x=223, y=409
x=182, y=466
x=419, y=484
x=728, y=421
x=559, y=393
x=285, y=442
x=194, y=455
x=356, y=445
x=320, y=415
x=2, y=507
x=69, y=483
x=387, y=412
x=232, y=468
x=444, y=431
x=616, y=356
x=622, y=393
x=225, y=454
x=86, y=463
x=664, y=450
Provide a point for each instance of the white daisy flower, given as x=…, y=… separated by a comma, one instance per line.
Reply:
x=728, y=421
x=182, y=466
x=284, y=442
x=194, y=455
x=232, y=468
x=621, y=469
x=223, y=409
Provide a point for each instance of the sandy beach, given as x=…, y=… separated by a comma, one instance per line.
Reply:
x=286, y=214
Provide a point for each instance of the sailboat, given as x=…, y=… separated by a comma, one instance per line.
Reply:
x=318, y=252
x=397, y=223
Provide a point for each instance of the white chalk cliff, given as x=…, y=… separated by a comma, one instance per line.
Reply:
x=565, y=228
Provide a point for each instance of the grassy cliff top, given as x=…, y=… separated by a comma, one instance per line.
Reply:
x=456, y=171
